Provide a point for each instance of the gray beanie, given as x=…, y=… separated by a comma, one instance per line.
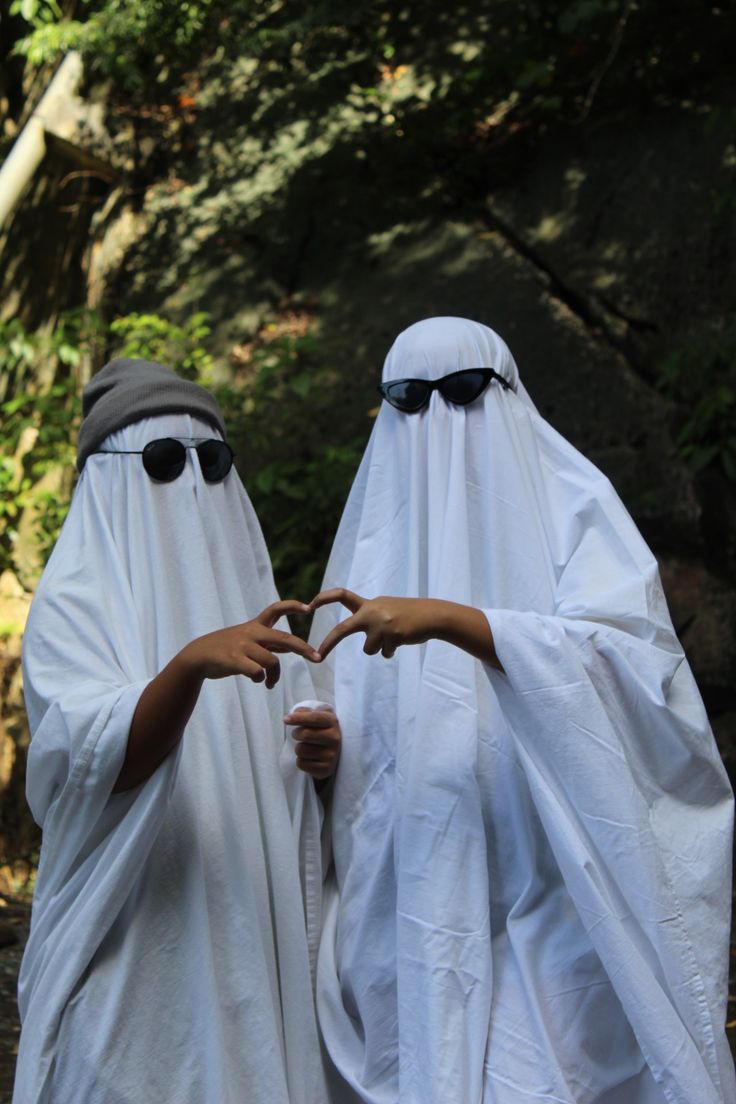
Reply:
x=127, y=390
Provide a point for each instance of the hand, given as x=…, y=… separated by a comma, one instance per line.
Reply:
x=389, y=622
x=167, y=702
x=318, y=739
x=386, y=622
x=248, y=649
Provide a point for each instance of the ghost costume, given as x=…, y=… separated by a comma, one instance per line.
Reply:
x=169, y=954
x=532, y=868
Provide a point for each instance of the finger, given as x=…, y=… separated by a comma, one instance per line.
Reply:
x=313, y=753
x=270, y=615
x=259, y=653
x=373, y=642
x=267, y=661
x=334, y=636
x=297, y=716
x=252, y=670
x=318, y=773
x=310, y=718
x=319, y=737
x=317, y=767
x=278, y=641
x=308, y=753
x=348, y=598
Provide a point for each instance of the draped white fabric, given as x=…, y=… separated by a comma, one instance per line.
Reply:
x=169, y=955
x=532, y=869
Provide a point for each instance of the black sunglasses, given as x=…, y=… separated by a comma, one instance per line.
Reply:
x=412, y=395
x=164, y=459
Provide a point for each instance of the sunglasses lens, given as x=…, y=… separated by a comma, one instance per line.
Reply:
x=408, y=395
x=215, y=459
x=164, y=460
x=463, y=387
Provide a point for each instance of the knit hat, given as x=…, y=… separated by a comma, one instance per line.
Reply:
x=127, y=390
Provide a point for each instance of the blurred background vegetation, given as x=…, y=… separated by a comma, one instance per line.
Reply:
x=262, y=193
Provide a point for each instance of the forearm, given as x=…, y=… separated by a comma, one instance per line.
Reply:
x=166, y=704
x=466, y=627
x=158, y=724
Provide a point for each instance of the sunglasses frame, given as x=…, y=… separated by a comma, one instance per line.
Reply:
x=489, y=374
x=186, y=443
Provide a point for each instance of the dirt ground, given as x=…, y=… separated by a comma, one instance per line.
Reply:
x=14, y=920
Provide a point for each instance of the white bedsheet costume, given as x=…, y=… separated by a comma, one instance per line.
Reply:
x=169, y=957
x=532, y=869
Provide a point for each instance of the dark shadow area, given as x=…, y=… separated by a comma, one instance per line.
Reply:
x=43, y=248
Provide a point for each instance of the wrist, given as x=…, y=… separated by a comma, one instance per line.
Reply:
x=187, y=666
x=444, y=619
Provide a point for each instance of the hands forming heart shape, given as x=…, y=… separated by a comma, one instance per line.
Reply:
x=252, y=649
x=386, y=622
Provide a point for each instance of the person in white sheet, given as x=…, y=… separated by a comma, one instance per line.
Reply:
x=531, y=824
x=177, y=904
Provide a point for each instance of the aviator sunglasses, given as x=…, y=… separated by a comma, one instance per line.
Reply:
x=164, y=459
x=412, y=395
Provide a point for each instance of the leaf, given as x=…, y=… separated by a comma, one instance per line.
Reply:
x=22, y=348
x=14, y=405
x=69, y=354
x=301, y=384
x=28, y=9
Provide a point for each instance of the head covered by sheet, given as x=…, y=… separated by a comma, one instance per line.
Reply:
x=526, y=861
x=160, y=907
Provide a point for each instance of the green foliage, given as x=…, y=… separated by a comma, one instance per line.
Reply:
x=136, y=42
x=155, y=338
x=700, y=375
x=559, y=56
x=17, y=353
x=49, y=40
x=39, y=435
x=38, y=13
x=39, y=422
